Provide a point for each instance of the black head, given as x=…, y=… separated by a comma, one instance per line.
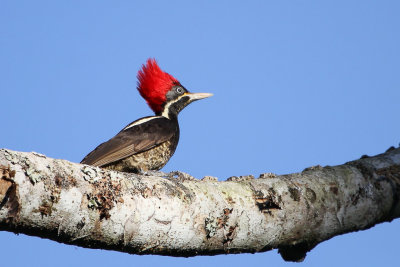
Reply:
x=177, y=99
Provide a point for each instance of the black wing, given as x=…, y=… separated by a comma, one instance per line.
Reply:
x=137, y=137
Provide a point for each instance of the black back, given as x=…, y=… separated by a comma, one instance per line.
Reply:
x=137, y=137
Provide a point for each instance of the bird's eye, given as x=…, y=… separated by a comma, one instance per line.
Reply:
x=179, y=90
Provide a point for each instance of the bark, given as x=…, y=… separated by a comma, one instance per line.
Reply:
x=179, y=215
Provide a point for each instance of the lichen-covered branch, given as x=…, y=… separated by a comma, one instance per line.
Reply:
x=178, y=215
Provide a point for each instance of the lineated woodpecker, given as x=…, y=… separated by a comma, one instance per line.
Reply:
x=147, y=143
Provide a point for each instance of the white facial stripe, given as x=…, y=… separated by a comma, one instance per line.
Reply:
x=140, y=121
x=165, y=112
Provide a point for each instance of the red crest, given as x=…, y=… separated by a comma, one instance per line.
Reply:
x=153, y=84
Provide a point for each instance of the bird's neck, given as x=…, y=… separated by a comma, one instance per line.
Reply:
x=170, y=116
x=171, y=109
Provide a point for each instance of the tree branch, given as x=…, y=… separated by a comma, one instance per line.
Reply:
x=182, y=216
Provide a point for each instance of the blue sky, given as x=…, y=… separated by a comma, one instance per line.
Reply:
x=295, y=84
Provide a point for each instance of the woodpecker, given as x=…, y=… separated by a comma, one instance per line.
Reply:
x=148, y=143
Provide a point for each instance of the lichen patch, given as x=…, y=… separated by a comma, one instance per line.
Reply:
x=294, y=193
x=266, y=202
x=9, y=197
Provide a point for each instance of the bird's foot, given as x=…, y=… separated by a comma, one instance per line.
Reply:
x=154, y=173
x=174, y=174
x=180, y=175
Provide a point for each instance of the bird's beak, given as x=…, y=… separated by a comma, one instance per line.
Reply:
x=197, y=96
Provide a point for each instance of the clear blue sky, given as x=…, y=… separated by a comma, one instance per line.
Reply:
x=295, y=83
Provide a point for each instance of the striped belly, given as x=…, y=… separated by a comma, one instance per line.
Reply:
x=152, y=159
